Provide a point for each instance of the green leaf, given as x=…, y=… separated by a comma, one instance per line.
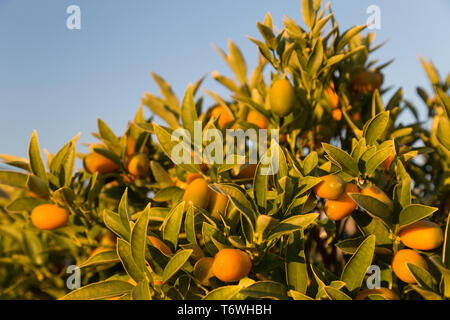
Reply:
x=13, y=178
x=101, y=258
x=422, y=276
x=237, y=63
x=36, y=163
x=446, y=246
x=107, y=135
x=141, y=291
x=375, y=127
x=443, y=130
x=310, y=163
x=413, y=213
x=24, y=204
x=292, y=224
x=308, y=13
x=260, y=183
x=377, y=159
x=350, y=245
x=223, y=293
x=37, y=186
x=296, y=271
x=161, y=175
x=125, y=255
x=175, y=263
x=189, y=226
x=100, y=290
x=169, y=194
x=356, y=268
x=315, y=61
x=239, y=198
x=342, y=159
x=158, y=107
x=299, y=296
x=167, y=92
x=268, y=35
x=426, y=294
x=165, y=141
x=114, y=223
x=373, y=207
x=336, y=294
x=139, y=238
x=347, y=36
x=172, y=224
x=124, y=214
x=188, y=111
x=265, y=290
x=33, y=246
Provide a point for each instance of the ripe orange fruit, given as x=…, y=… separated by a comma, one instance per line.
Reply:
x=400, y=267
x=217, y=204
x=343, y=205
x=356, y=116
x=282, y=97
x=367, y=81
x=385, y=292
x=422, y=235
x=257, y=119
x=377, y=193
x=219, y=112
x=131, y=147
x=192, y=176
x=161, y=246
x=331, y=187
x=49, y=217
x=197, y=192
x=336, y=114
x=332, y=96
x=231, y=265
x=203, y=270
x=138, y=165
x=95, y=162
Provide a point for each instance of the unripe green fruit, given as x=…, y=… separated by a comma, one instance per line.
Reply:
x=282, y=97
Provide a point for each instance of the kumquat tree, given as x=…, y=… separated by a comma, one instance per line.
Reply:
x=300, y=184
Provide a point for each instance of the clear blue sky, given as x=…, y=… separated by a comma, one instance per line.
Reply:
x=58, y=81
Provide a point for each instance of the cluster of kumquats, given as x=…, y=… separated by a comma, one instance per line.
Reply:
x=353, y=191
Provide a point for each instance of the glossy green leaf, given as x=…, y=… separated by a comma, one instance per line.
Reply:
x=375, y=127
x=125, y=254
x=342, y=159
x=356, y=268
x=413, y=213
x=373, y=206
x=172, y=224
x=13, y=178
x=36, y=163
x=114, y=223
x=100, y=290
x=175, y=263
x=266, y=290
x=139, y=238
x=101, y=258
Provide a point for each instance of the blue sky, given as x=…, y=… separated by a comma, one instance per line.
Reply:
x=59, y=81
